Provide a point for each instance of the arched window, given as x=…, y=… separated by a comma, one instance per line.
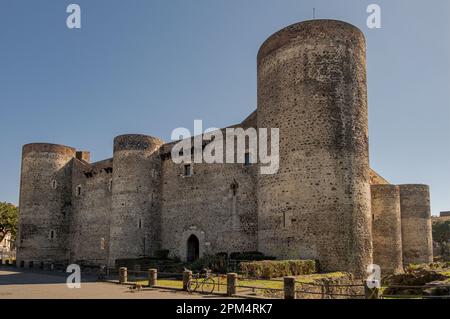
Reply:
x=52, y=234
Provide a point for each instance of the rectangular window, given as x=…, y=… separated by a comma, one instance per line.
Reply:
x=287, y=220
x=247, y=160
x=188, y=170
x=102, y=243
x=78, y=191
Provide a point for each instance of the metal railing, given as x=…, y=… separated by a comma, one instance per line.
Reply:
x=331, y=290
x=232, y=284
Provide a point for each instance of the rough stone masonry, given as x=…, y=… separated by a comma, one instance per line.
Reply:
x=324, y=203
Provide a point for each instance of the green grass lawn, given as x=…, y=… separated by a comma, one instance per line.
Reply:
x=261, y=286
x=170, y=283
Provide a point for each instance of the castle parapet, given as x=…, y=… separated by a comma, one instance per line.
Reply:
x=48, y=148
x=136, y=142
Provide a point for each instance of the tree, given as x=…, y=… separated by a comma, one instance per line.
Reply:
x=441, y=235
x=9, y=218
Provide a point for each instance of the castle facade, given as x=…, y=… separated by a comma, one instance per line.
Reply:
x=324, y=203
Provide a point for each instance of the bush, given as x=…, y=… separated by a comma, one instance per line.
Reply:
x=251, y=255
x=217, y=263
x=277, y=268
x=162, y=254
x=223, y=255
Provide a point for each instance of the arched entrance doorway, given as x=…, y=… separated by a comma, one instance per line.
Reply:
x=193, y=248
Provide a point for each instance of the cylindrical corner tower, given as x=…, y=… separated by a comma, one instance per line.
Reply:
x=416, y=224
x=44, y=205
x=312, y=86
x=387, y=228
x=135, y=221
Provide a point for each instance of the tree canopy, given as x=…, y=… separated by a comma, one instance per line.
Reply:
x=441, y=235
x=9, y=218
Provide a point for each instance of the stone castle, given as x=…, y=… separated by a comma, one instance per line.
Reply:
x=324, y=203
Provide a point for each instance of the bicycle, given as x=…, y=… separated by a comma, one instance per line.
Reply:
x=101, y=273
x=206, y=283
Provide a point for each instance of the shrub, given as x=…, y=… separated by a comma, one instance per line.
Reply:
x=217, y=263
x=223, y=255
x=251, y=255
x=162, y=254
x=277, y=268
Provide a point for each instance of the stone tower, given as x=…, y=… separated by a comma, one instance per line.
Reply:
x=416, y=224
x=135, y=204
x=387, y=228
x=45, y=205
x=312, y=86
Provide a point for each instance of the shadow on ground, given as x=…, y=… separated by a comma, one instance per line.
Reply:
x=14, y=276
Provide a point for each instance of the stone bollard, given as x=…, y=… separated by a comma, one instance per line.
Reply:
x=372, y=289
x=232, y=279
x=289, y=287
x=152, y=277
x=123, y=275
x=187, y=276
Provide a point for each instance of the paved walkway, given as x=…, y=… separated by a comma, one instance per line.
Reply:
x=18, y=284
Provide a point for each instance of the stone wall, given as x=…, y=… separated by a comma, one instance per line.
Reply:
x=386, y=228
x=377, y=179
x=206, y=206
x=91, y=201
x=135, y=205
x=45, y=204
x=416, y=224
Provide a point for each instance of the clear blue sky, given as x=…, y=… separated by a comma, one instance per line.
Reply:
x=151, y=66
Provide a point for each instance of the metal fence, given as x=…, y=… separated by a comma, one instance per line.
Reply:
x=331, y=290
x=240, y=285
x=260, y=287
